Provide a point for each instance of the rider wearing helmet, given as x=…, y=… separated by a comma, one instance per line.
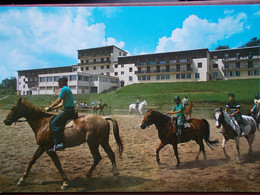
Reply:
x=137, y=102
x=57, y=125
x=234, y=108
x=178, y=109
x=256, y=105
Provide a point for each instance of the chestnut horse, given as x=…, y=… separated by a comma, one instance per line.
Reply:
x=101, y=108
x=91, y=129
x=198, y=130
x=188, y=109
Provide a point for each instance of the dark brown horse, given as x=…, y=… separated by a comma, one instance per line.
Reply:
x=91, y=129
x=101, y=108
x=188, y=109
x=198, y=130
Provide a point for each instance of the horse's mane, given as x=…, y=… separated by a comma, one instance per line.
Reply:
x=165, y=117
x=37, y=111
x=228, y=119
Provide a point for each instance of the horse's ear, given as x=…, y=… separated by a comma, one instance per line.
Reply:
x=20, y=100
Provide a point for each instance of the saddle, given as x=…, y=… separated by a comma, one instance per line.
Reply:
x=70, y=122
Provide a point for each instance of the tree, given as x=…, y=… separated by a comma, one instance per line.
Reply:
x=8, y=84
x=222, y=47
x=253, y=42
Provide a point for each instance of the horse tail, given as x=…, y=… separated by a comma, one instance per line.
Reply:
x=207, y=135
x=116, y=135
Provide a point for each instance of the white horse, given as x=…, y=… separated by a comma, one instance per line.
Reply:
x=139, y=109
x=231, y=129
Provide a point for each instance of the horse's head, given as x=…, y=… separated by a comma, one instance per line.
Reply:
x=219, y=116
x=15, y=113
x=145, y=103
x=148, y=119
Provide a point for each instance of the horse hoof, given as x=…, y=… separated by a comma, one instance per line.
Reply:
x=64, y=186
x=20, y=182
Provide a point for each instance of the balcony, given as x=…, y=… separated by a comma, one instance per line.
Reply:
x=172, y=70
x=241, y=67
x=95, y=63
x=163, y=62
x=240, y=59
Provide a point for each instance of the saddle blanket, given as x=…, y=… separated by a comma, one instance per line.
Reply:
x=186, y=125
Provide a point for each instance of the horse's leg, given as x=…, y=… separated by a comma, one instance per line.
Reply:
x=37, y=154
x=200, y=143
x=55, y=159
x=110, y=154
x=96, y=155
x=250, y=140
x=223, y=147
x=161, y=145
x=237, y=146
x=175, y=148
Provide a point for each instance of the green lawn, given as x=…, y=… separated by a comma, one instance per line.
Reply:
x=159, y=94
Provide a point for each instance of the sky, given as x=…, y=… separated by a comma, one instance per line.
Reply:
x=42, y=37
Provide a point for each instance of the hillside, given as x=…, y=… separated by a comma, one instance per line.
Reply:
x=159, y=94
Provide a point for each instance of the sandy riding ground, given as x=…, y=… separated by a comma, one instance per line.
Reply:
x=138, y=169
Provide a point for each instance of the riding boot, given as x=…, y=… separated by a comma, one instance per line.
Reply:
x=242, y=132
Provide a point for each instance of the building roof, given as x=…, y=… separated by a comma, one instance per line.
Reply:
x=110, y=47
x=197, y=53
x=243, y=51
x=46, y=69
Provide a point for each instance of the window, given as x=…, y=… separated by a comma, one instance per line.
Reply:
x=226, y=56
x=107, y=59
x=86, y=68
x=148, y=77
x=162, y=77
x=120, y=53
x=73, y=77
x=158, y=77
x=85, y=78
x=116, y=73
x=197, y=75
x=167, y=76
x=250, y=64
x=183, y=76
x=130, y=69
x=122, y=65
x=56, y=78
x=122, y=72
x=215, y=74
x=108, y=66
x=237, y=56
x=238, y=73
x=237, y=64
x=94, y=67
x=215, y=65
x=250, y=55
x=199, y=65
x=102, y=67
x=130, y=78
x=116, y=65
x=162, y=62
x=42, y=79
x=152, y=62
x=188, y=76
x=226, y=65
x=226, y=74
x=178, y=76
x=81, y=69
x=183, y=60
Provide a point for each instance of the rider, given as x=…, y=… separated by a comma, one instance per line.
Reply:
x=137, y=102
x=234, y=108
x=185, y=101
x=178, y=109
x=256, y=105
x=99, y=103
x=57, y=125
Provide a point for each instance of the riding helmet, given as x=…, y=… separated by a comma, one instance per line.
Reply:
x=177, y=98
x=63, y=80
x=231, y=94
x=256, y=96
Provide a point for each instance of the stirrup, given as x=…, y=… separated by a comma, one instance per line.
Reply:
x=58, y=147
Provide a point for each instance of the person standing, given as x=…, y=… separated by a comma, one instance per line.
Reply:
x=57, y=125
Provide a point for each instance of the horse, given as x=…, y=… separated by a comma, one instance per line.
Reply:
x=89, y=128
x=231, y=129
x=256, y=115
x=101, y=108
x=198, y=130
x=188, y=109
x=139, y=109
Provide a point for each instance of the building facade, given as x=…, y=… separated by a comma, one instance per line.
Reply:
x=102, y=68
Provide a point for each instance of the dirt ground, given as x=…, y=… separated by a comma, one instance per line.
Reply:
x=138, y=169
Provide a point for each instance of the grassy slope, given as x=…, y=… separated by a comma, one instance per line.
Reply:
x=160, y=94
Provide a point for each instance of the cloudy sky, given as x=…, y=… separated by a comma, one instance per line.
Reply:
x=41, y=37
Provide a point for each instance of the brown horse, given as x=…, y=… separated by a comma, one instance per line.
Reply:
x=188, y=109
x=101, y=108
x=198, y=130
x=91, y=129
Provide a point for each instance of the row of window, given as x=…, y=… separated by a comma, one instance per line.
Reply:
x=95, y=60
x=238, y=73
x=167, y=76
x=153, y=62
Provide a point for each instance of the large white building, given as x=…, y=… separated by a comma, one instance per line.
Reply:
x=103, y=68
